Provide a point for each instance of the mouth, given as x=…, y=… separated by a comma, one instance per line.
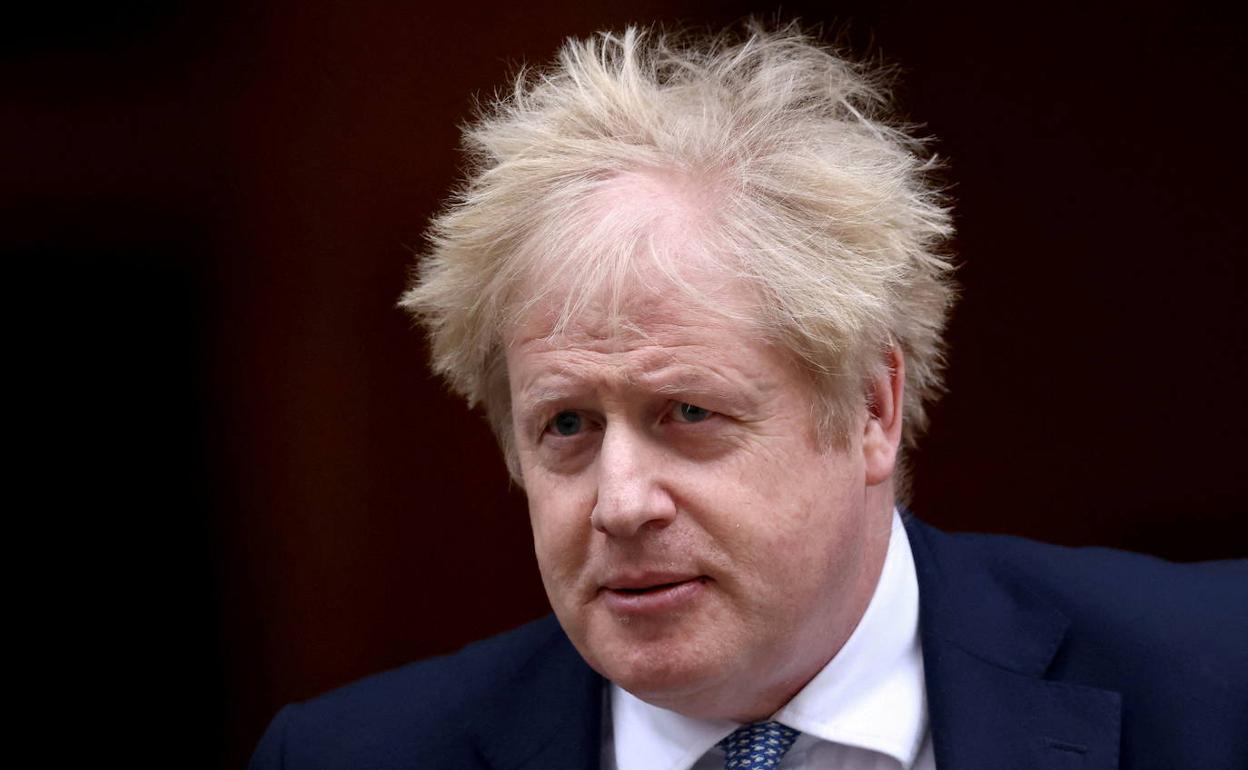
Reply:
x=648, y=596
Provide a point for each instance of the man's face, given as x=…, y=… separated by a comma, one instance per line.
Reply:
x=698, y=544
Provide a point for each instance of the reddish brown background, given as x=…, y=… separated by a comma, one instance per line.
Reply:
x=250, y=490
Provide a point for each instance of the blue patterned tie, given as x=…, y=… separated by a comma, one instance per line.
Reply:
x=758, y=746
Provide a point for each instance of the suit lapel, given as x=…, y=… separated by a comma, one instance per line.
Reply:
x=987, y=645
x=548, y=716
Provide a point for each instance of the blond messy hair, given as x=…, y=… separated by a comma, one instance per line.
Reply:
x=822, y=203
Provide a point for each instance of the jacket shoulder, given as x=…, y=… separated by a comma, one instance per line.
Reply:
x=416, y=715
x=1131, y=599
x=1161, y=646
x=1170, y=634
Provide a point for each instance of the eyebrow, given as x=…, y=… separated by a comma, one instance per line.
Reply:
x=534, y=399
x=672, y=381
x=699, y=385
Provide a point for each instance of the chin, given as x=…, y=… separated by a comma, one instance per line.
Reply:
x=663, y=671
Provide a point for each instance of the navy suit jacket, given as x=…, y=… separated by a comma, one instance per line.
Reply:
x=1036, y=657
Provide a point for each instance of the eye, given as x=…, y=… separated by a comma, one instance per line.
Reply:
x=685, y=412
x=565, y=424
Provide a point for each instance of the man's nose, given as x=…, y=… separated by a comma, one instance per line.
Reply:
x=631, y=492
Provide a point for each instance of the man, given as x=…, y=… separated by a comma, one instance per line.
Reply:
x=698, y=289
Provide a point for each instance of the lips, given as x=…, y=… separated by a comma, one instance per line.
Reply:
x=645, y=589
x=648, y=594
x=644, y=581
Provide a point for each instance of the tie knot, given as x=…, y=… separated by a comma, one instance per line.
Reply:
x=757, y=746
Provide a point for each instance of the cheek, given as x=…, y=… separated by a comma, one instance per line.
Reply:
x=795, y=518
x=560, y=531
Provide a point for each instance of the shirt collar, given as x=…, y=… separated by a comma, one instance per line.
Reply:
x=871, y=695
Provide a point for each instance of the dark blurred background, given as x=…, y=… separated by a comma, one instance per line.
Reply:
x=246, y=487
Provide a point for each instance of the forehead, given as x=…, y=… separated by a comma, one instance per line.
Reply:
x=658, y=341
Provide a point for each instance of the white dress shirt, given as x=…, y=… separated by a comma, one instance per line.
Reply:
x=866, y=710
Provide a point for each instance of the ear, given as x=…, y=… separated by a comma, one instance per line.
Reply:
x=882, y=433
